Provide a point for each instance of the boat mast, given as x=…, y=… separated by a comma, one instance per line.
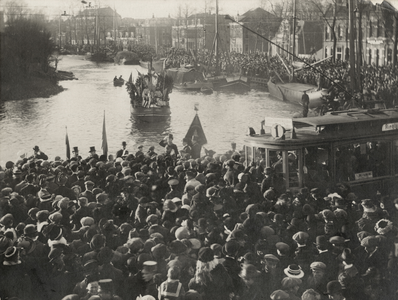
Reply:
x=216, y=38
x=294, y=35
x=352, y=45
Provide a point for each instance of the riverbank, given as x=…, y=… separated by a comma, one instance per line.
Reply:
x=38, y=85
x=34, y=87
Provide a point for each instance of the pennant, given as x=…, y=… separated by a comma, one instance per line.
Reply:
x=104, y=139
x=131, y=78
x=196, y=129
x=67, y=143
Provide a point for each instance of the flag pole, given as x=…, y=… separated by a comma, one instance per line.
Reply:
x=104, y=139
x=67, y=143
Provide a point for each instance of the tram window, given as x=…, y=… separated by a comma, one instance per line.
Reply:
x=275, y=161
x=259, y=155
x=316, y=165
x=362, y=160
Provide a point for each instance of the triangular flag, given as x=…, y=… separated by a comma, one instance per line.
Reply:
x=104, y=139
x=67, y=144
x=196, y=129
x=131, y=78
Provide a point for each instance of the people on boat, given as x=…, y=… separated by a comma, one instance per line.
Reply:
x=120, y=77
x=115, y=79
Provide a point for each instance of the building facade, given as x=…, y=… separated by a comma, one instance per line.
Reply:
x=198, y=31
x=373, y=29
x=258, y=20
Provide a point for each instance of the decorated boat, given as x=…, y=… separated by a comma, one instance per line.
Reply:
x=150, y=97
x=293, y=91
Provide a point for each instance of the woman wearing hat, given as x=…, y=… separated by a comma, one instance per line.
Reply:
x=211, y=279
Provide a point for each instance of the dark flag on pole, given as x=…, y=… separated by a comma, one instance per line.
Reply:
x=196, y=136
x=104, y=139
x=131, y=78
x=67, y=144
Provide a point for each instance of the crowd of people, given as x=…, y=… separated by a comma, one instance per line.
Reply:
x=177, y=225
x=378, y=83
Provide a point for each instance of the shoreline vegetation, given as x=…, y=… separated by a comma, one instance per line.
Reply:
x=38, y=85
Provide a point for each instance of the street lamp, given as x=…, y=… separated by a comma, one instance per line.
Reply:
x=59, y=27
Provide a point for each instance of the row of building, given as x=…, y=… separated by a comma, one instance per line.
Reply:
x=375, y=25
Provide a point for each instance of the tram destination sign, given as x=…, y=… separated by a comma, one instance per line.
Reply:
x=390, y=127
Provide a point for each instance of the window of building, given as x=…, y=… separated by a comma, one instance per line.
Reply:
x=370, y=28
x=327, y=35
x=326, y=51
x=339, y=53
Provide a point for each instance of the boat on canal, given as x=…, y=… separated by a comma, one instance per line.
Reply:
x=189, y=79
x=150, y=97
x=118, y=82
x=357, y=148
x=293, y=91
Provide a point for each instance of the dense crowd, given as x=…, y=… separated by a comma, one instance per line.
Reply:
x=378, y=83
x=178, y=225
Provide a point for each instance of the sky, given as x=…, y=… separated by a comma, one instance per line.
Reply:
x=141, y=9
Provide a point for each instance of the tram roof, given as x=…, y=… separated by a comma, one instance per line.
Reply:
x=347, y=117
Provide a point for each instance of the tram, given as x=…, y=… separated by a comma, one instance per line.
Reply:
x=358, y=148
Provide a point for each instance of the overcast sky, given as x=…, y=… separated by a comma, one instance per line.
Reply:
x=141, y=9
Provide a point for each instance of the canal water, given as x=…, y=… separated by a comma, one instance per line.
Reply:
x=80, y=109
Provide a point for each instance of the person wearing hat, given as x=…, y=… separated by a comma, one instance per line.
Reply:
x=317, y=280
x=186, y=151
x=172, y=288
x=325, y=255
x=291, y=286
x=140, y=151
x=268, y=180
x=284, y=255
x=211, y=279
x=270, y=273
x=334, y=290
x=190, y=179
x=250, y=287
x=279, y=295
x=303, y=253
x=174, y=189
x=370, y=255
x=88, y=192
x=76, y=155
x=106, y=290
x=230, y=263
x=294, y=271
x=310, y=294
x=122, y=152
x=38, y=154
x=30, y=188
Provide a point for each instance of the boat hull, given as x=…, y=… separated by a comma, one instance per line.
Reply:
x=292, y=92
x=156, y=65
x=194, y=86
x=234, y=86
x=150, y=114
x=118, y=82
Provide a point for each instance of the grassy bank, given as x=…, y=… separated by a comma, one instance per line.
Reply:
x=34, y=87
